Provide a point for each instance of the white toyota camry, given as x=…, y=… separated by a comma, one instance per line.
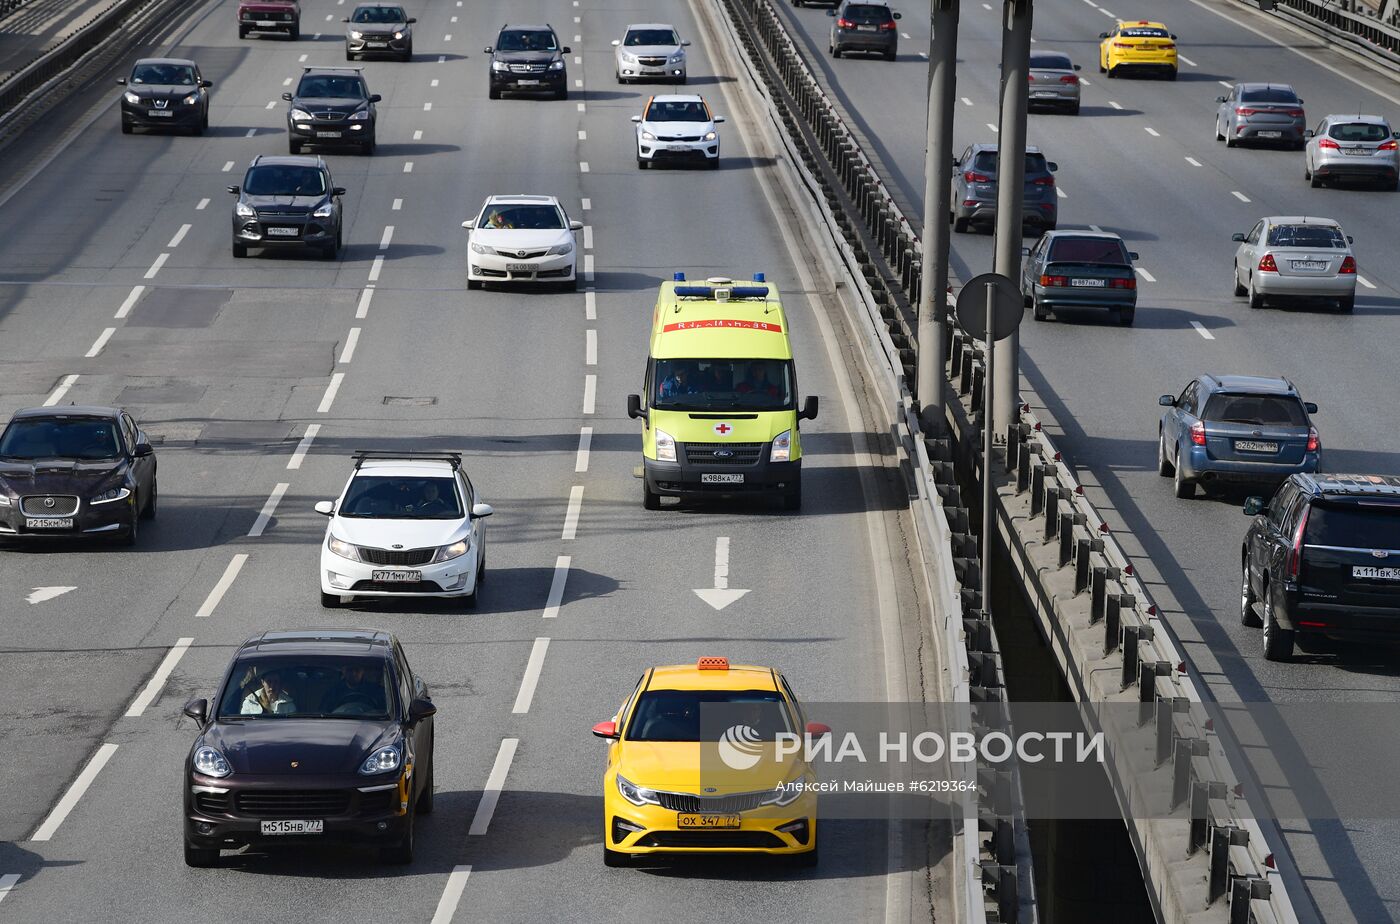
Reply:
x=407, y=524
x=522, y=239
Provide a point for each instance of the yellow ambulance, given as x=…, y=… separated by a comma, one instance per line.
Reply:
x=719, y=409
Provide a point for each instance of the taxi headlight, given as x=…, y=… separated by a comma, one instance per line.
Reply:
x=131, y=98
x=711, y=135
x=648, y=136
x=209, y=762
x=560, y=249
x=108, y=496
x=782, y=447
x=343, y=549
x=384, y=760
x=788, y=793
x=449, y=552
x=482, y=248
x=665, y=447
x=634, y=793
x=243, y=210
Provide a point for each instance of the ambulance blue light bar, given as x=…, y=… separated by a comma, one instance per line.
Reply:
x=734, y=291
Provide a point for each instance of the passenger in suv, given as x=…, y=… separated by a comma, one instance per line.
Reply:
x=975, y=189
x=1322, y=558
x=287, y=202
x=332, y=106
x=282, y=16
x=528, y=59
x=867, y=27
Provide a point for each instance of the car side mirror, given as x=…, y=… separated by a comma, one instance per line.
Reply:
x=1395, y=134
x=616, y=42
x=287, y=97
x=719, y=120
x=1173, y=35
x=897, y=15
x=345, y=19
x=686, y=42
x=831, y=13
x=1253, y=506
x=566, y=50
x=606, y=730
x=143, y=449
x=482, y=510
x=412, y=20
x=375, y=97
x=325, y=508
x=1350, y=240
x=1103, y=35
x=1054, y=167
x=337, y=190
x=634, y=407
x=637, y=118
x=198, y=709
x=1132, y=255
x=1167, y=401
x=206, y=84
x=809, y=409
x=575, y=226
x=233, y=190
x=817, y=730
x=487, y=49
x=469, y=224
x=1238, y=237
x=420, y=709
x=1310, y=407
x=1308, y=133
x=1220, y=99
x=1076, y=67
x=121, y=81
x=1025, y=251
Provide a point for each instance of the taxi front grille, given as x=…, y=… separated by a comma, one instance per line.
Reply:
x=711, y=805
x=711, y=453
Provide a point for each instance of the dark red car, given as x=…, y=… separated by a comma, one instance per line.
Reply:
x=283, y=16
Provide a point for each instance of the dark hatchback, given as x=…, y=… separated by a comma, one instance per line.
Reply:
x=1080, y=269
x=528, y=59
x=1322, y=559
x=864, y=27
x=316, y=736
x=165, y=93
x=74, y=472
x=975, y=190
x=287, y=202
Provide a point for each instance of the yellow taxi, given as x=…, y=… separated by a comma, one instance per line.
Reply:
x=1137, y=45
x=665, y=791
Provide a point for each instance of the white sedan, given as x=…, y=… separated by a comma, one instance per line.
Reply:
x=522, y=239
x=406, y=525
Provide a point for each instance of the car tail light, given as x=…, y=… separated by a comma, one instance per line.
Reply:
x=888, y=26
x=1348, y=266
x=1043, y=181
x=1069, y=78
x=1122, y=45
x=1129, y=283
x=969, y=202
x=1168, y=46
x=1198, y=433
x=1329, y=144
x=1293, y=113
x=1244, y=111
x=1295, y=555
x=845, y=24
x=1390, y=145
x=1054, y=280
x=1313, y=442
x=1267, y=264
x=973, y=177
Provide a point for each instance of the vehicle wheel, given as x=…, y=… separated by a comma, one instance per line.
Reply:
x=796, y=2
x=562, y=94
x=1346, y=305
x=469, y=601
x=348, y=55
x=367, y=148
x=1112, y=72
x=1391, y=186
x=1171, y=74
x=810, y=859
x=1164, y=465
x=473, y=284
x=1037, y=312
x=330, y=601
x=1239, y=289
x=1278, y=641
x=1232, y=140
x=714, y=164
x=570, y=285
x=126, y=128
x=1102, y=69
x=891, y=56
x=295, y=34
x=836, y=51
x=1074, y=109
x=293, y=147
x=643, y=164
x=1316, y=181
x=1180, y=485
x=424, y=805
x=149, y=511
x=792, y=500
x=204, y=122
x=201, y=857
x=682, y=79
x=650, y=499
x=493, y=93
x=1125, y=316
x=401, y=854
x=960, y=225
x=133, y=529
x=615, y=858
x=1247, y=600
x=407, y=53
x=329, y=251
x=1255, y=299
x=239, y=250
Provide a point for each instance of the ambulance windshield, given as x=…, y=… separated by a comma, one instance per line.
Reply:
x=722, y=384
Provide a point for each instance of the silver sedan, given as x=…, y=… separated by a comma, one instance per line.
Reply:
x=1296, y=259
x=1260, y=112
x=1054, y=83
x=1353, y=147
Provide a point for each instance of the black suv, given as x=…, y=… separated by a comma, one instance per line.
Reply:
x=1322, y=558
x=165, y=93
x=528, y=59
x=332, y=106
x=316, y=736
x=287, y=202
x=75, y=471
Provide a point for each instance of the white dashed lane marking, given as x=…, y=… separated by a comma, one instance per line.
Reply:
x=269, y=508
x=75, y=793
x=351, y=340
x=531, y=677
x=131, y=299
x=1145, y=274
x=1152, y=131
x=585, y=443
x=376, y=268
x=100, y=342
x=329, y=397
x=203, y=204
x=386, y=237
x=226, y=580
x=1365, y=282
x=556, y=587
x=153, y=686
x=179, y=236
x=155, y=267
x=1192, y=161
x=451, y=895
x=491, y=794
x=590, y=393
x=1239, y=195
x=572, y=512
x=304, y=446
x=228, y=166
x=1201, y=329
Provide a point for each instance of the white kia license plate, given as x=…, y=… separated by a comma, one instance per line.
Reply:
x=1255, y=446
x=397, y=577
x=528, y=83
x=328, y=134
x=677, y=147
x=316, y=826
x=1380, y=574
x=1308, y=264
x=720, y=478
x=48, y=522
x=1271, y=134
x=520, y=267
x=160, y=113
x=282, y=232
x=1089, y=283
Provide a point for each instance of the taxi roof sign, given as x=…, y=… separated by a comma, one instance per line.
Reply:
x=712, y=664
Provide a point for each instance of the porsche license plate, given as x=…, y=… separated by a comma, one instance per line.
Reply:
x=714, y=822
x=1379, y=574
x=48, y=522
x=397, y=577
x=1255, y=446
x=720, y=478
x=285, y=826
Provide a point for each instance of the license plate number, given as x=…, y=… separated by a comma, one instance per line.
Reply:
x=265, y=23
x=1308, y=264
x=720, y=478
x=1088, y=283
x=316, y=826
x=1362, y=151
x=160, y=113
x=520, y=267
x=397, y=577
x=1271, y=134
x=374, y=44
x=1380, y=574
x=1255, y=446
x=1041, y=94
x=328, y=134
x=282, y=232
x=48, y=522
x=528, y=83
x=867, y=29
x=677, y=147
x=715, y=822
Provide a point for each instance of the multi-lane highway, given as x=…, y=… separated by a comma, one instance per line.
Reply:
x=258, y=377
x=1141, y=160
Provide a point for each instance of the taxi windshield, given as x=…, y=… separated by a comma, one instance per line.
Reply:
x=674, y=715
x=722, y=384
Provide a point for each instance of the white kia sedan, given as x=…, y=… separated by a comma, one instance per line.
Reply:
x=522, y=239
x=677, y=129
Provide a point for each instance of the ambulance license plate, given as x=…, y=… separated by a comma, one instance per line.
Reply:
x=714, y=822
x=720, y=478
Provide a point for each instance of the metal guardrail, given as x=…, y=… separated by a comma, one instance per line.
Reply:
x=1378, y=37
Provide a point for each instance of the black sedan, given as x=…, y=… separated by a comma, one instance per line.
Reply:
x=75, y=471
x=165, y=93
x=316, y=736
x=1080, y=269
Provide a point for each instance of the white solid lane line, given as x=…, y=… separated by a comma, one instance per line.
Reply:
x=585, y=441
x=61, y=390
x=1152, y=132
x=304, y=446
x=203, y=204
x=362, y=309
x=158, y=679
x=571, y=514
x=8, y=882
x=331, y=389
x=590, y=392
x=531, y=678
x=556, y=587
x=590, y=347
x=491, y=794
x=1365, y=282
x=451, y=895
x=349, y=352
x=1192, y=161
x=211, y=602
x=1201, y=329
x=1239, y=195
x=155, y=267
x=587, y=237
x=386, y=237
x=131, y=298
x=74, y=793
x=1145, y=274
x=590, y=305
x=179, y=236
x=100, y=342
x=265, y=515
x=375, y=268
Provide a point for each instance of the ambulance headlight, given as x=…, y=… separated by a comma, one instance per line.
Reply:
x=782, y=447
x=665, y=447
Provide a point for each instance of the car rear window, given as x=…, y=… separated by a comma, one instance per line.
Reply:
x=1355, y=525
x=674, y=715
x=1306, y=236
x=867, y=13
x=1140, y=32
x=1087, y=250
x=1359, y=131
x=1277, y=410
x=1269, y=95
x=527, y=40
x=1051, y=63
x=650, y=37
x=986, y=162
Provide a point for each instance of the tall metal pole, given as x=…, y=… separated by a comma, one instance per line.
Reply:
x=938, y=159
x=1011, y=179
x=989, y=394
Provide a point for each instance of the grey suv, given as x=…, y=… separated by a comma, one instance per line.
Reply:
x=1353, y=147
x=1267, y=112
x=975, y=189
x=379, y=29
x=332, y=106
x=528, y=59
x=287, y=202
x=867, y=27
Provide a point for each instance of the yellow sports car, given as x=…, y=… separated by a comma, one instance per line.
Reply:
x=1138, y=46
x=664, y=791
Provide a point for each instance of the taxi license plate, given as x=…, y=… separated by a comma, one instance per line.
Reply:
x=328, y=134
x=282, y=232
x=160, y=113
x=1088, y=283
x=1308, y=264
x=397, y=577
x=1380, y=574
x=714, y=822
x=48, y=522
x=1255, y=446
x=316, y=826
x=720, y=478
x=520, y=267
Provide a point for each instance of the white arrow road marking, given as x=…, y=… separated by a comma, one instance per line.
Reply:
x=41, y=594
x=720, y=595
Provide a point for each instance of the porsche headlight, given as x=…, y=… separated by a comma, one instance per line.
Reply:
x=647, y=136
x=711, y=135
x=299, y=115
x=782, y=447
x=384, y=760
x=561, y=249
x=483, y=249
x=324, y=211
x=449, y=552
x=131, y=98
x=359, y=116
x=634, y=793
x=107, y=497
x=665, y=447
x=243, y=210
x=209, y=762
x=343, y=549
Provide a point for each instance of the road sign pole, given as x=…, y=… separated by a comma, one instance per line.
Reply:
x=1011, y=179
x=988, y=431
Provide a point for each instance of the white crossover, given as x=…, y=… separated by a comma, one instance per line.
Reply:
x=522, y=239
x=677, y=129
x=408, y=524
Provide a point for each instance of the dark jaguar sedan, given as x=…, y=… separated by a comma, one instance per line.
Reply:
x=165, y=93
x=316, y=736
x=75, y=471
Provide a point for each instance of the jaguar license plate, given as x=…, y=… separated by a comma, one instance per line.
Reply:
x=48, y=522
x=714, y=822
x=520, y=267
x=328, y=134
x=1255, y=446
x=286, y=826
x=721, y=478
x=1308, y=264
x=160, y=113
x=1379, y=574
x=282, y=232
x=1088, y=283
x=397, y=577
